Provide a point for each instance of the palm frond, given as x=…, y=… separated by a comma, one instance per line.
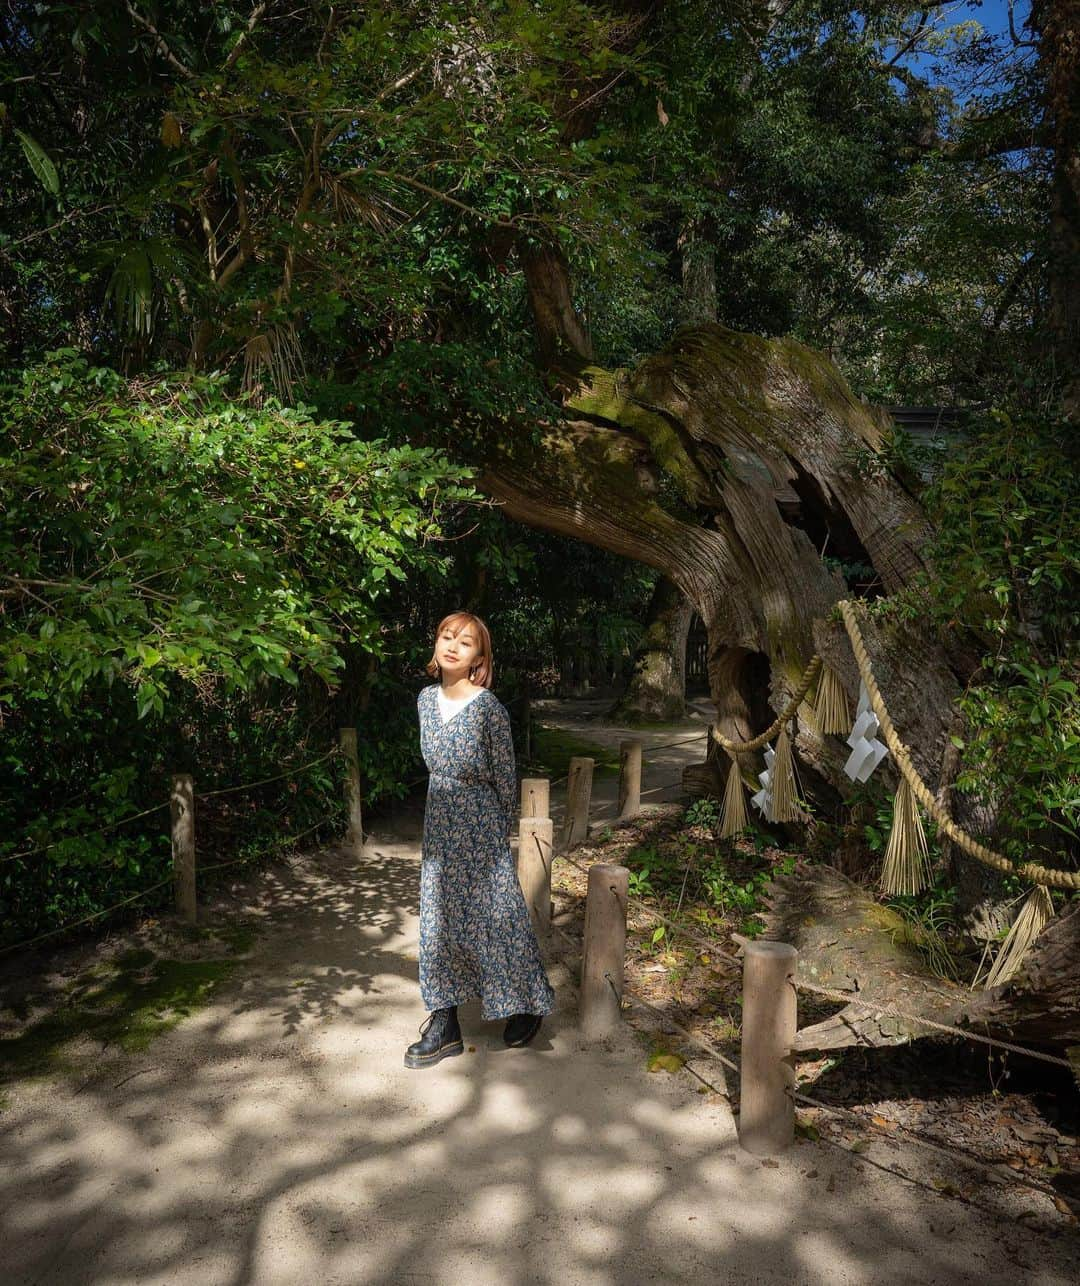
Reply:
x=273, y=356
x=350, y=205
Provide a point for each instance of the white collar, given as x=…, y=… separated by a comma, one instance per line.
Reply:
x=455, y=701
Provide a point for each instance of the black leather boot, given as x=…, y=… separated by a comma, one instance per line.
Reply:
x=440, y=1037
x=521, y=1028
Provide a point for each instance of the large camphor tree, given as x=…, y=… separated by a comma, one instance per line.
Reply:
x=307, y=174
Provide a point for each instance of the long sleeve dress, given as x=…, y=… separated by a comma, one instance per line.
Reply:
x=476, y=938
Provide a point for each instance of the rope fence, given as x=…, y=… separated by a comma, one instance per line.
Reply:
x=185, y=870
x=767, y=1089
x=889, y=1011
x=625, y=994
x=954, y=1152
x=100, y=830
x=769, y=982
x=156, y=808
x=76, y=924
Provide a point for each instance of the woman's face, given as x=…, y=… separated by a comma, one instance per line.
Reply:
x=456, y=653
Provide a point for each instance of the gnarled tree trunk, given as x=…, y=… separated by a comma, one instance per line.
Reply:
x=657, y=687
x=730, y=463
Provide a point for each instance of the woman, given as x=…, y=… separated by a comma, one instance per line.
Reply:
x=476, y=938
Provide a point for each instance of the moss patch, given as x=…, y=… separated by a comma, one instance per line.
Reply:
x=124, y=1002
x=553, y=748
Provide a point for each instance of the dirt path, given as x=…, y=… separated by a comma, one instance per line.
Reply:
x=275, y=1137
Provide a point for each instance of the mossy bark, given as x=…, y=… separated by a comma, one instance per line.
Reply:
x=727, y=461
x=734, y=464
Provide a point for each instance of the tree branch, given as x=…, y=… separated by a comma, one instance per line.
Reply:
x=159, y=41
x=234, y=53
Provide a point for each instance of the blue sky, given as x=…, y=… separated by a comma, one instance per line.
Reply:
x=993, y=17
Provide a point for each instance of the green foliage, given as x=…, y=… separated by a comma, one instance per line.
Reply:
x=737, y=895
x=928, y=923
x=702, y=812
x=1007, y=548
x=1006, y=563
x=1023, y=747
x=652, y=870
x=165, y=533
x=188, y=580
x=197, y=581
x=726, y=882
x=639, y=883
x=451, y=395
x=39, y=162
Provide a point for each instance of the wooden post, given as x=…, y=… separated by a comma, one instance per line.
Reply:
x=769, y=1022
x=354, y=812
x=534, y=871
x=578, y=797
x=182, y=811
x=604, y=949
x=629, y=778
x=535, y=797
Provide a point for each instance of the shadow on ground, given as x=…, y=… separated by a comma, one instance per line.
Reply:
x=276, y=1137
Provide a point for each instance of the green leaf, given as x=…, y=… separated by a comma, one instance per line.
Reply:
x=664, y=1061
x=40, y=162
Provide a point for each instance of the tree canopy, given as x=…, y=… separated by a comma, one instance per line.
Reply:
x=286, y=291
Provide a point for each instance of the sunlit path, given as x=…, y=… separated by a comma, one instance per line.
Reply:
x=275, y=1137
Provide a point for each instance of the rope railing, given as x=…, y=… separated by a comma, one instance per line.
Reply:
x=710, y=1049
x=869, y=1005
x=953, y=1152
x=798, y=1096
x=266, y=781
x=775, y=1022
x=156, y=808
x=1032, y=871
x=76, y=924
x=707, y=947
x=185, y=872
x=100, y=830
x=116, y=906
x=890, y=1011
x=797, y=698
x=631, y=996
x=686, y=741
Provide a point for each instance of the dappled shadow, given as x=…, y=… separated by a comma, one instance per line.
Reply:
x=276, y=1137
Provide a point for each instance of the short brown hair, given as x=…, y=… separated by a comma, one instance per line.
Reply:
x=484, y=663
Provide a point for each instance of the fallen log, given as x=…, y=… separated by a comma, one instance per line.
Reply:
x=849, y=943
x=1041, y=1004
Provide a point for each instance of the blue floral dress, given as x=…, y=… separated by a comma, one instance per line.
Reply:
x=476, y=938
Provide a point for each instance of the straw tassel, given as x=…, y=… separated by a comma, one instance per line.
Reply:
x=906, y=868
x=782, y=782
x=1034, y=916
x=733, y=818
x=831, y=704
